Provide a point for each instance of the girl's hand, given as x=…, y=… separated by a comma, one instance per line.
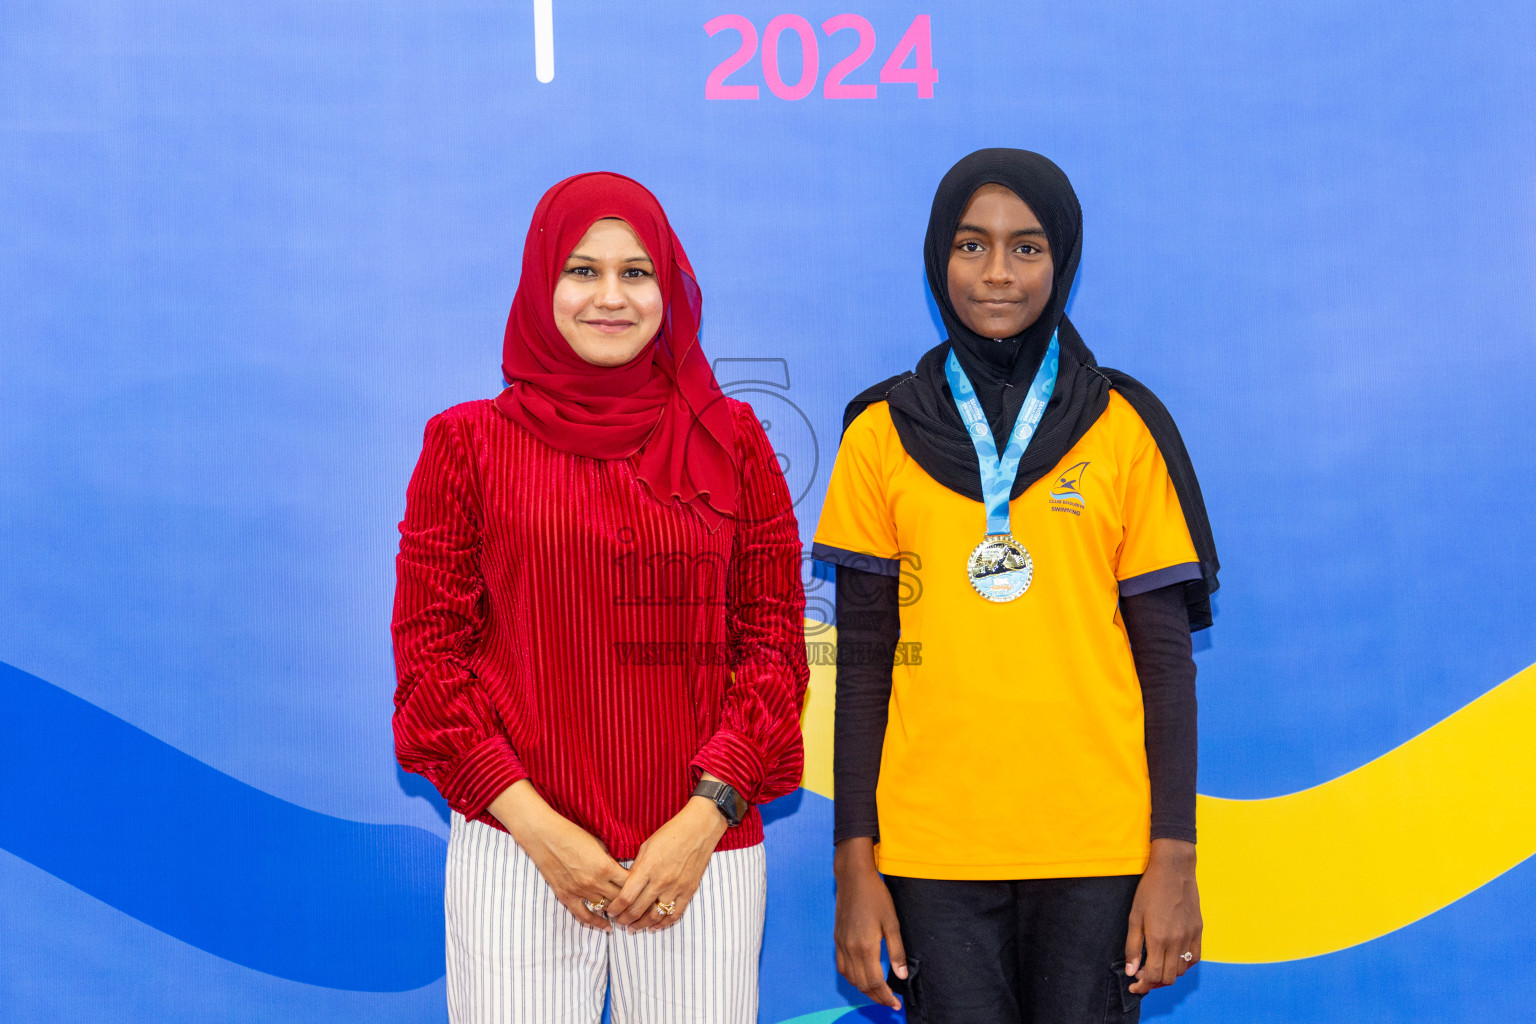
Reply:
x=669, y=866
x=572, y=860
x=1165, y=918
x=865, y=916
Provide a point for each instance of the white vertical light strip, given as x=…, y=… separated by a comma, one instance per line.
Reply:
x=544, y=39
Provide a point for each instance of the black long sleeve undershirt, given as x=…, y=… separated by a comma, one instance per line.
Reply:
x=1157, y=623
x=868, y=628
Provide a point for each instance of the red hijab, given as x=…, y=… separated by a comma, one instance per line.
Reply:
x=663, y=409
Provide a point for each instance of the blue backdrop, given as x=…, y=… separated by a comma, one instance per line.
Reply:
x=246, y=250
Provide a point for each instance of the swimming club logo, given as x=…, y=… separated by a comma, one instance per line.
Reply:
x=1067, y=491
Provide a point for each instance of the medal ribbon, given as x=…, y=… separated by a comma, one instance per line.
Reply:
x=998, y=471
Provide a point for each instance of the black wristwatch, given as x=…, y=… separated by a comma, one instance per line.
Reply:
x=725, y=799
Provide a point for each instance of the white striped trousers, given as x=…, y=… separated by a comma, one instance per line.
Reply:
x=516, y=956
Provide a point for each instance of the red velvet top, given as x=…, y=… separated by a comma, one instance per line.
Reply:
x=553, y=621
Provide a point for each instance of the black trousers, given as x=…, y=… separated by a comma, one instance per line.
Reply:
x=1040, y=951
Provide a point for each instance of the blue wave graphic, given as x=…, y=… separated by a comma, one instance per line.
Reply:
x=1069, y=496
x=202, y=856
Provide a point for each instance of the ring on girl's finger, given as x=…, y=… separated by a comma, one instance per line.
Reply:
x=1186, y=956
x=666, y=909
x=596, y=906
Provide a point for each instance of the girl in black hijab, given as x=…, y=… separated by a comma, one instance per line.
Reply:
x=1037, y=851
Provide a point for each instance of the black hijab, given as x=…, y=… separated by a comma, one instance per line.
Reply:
x=923, y=410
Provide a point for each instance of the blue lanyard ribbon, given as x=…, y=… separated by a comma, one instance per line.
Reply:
x=998, y=471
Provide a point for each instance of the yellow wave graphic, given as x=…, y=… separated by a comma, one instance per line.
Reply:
x=1377, y=848
x=1349, y=860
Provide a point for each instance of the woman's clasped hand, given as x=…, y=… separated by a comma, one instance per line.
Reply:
x=666, y=872
x=652, y=893
x=575, y=864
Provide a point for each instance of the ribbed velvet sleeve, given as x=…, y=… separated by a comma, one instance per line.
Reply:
x=446, y=728
x=757, y=748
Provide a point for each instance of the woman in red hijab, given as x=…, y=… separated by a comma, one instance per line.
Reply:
x=598, y=638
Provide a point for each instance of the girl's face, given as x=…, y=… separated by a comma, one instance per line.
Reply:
x=1000, y=268
x=608, y=305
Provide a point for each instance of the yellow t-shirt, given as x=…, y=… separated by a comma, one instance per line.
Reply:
x=1015, y=746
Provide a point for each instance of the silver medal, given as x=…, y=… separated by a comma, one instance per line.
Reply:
x=1000, y=568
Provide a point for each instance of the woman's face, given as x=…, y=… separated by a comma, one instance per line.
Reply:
x=608, y=305
x=1000, y=269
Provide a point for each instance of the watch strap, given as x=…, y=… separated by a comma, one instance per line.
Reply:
x=725, y=798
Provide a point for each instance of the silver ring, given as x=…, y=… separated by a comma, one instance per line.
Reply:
x=1186, y=957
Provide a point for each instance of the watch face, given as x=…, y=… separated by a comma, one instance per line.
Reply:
x=731, y=804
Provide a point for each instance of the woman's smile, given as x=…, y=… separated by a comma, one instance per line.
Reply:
x=609, y=326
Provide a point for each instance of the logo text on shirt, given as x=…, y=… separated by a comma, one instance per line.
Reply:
x=1067, y=492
